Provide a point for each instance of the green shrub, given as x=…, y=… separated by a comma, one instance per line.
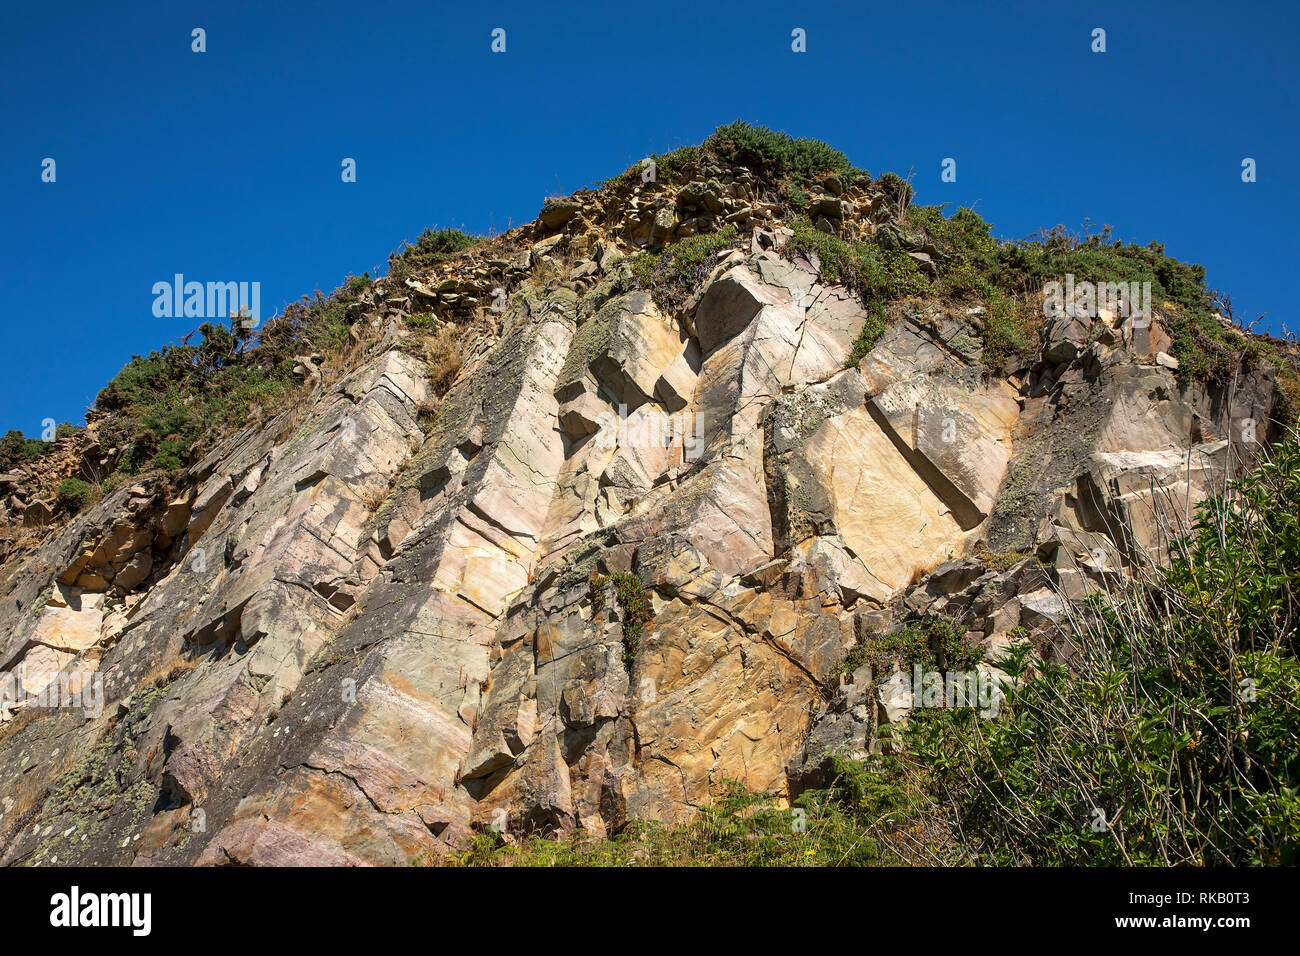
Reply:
x=779, y=155
x=1170, y=738
x=896, y=188
x=847, y=824
x=872, y=329
x=934, y=643
x=183, y=394
x=432, y=247
x=635, y=604
x=1008, y=277
x=75, y=494
x=668, y=167
x=1203, y=346
x=870, y=271
x=1006, y=329
x=16, y=449
x=671, y=274
x=903, y=275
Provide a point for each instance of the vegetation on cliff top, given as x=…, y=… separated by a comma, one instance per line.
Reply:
x=969, y=266
x=183, y=395
x=430, y=248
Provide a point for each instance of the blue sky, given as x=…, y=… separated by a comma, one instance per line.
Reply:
x=225, y=165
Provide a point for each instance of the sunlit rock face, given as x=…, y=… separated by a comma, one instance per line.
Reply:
x=620, y=566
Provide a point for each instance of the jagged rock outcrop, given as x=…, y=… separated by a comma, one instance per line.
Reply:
x=348, y=636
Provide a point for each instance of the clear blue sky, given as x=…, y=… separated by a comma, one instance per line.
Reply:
x=226, y=165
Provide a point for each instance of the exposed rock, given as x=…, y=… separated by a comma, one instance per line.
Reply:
x=619, y=562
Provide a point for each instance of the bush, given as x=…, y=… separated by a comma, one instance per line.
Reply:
x=432, y=247
x=671, y=274
x=1006, y=327
x=668, y=166
x=846, y=824
x=1009, y=278
x=896, y=188
x=16, y=449
x=183, y=394
x=872, y=329
x=75, y=494
x=1170, y=738
x=637, y=611
x=874, y=273
x=779, y=155
x=1203, y=346
x=934, y=643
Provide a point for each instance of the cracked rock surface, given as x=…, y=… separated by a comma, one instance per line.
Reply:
x=352, y=639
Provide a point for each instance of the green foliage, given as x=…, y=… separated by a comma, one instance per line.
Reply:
x=669, y=275
x=1006, y=327
x=1171, y=737
x=853, y=264
x=863, y=266
x=790, y=161
x=183, y=394
x=16, y=450
x=779, y=155
x=432, y=247
x=849, y=823
x=75, y=494
x=896, y=188
x=872, y=329
x=635, y=604
x=188, y=394
x=1202, y=345
x=668, y=167
x=903, y=277
x=964, y=234
x=934, y=643
x=1009, y=277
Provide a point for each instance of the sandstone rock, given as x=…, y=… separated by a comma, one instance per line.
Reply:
x=557, y=212
x=352, y=634
x=37, y=513
x=134, y=572
x=72, y=624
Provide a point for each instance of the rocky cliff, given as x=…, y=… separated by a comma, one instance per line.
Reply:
x=614, y=555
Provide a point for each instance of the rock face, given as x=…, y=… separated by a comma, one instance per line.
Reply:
x=351, y=640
